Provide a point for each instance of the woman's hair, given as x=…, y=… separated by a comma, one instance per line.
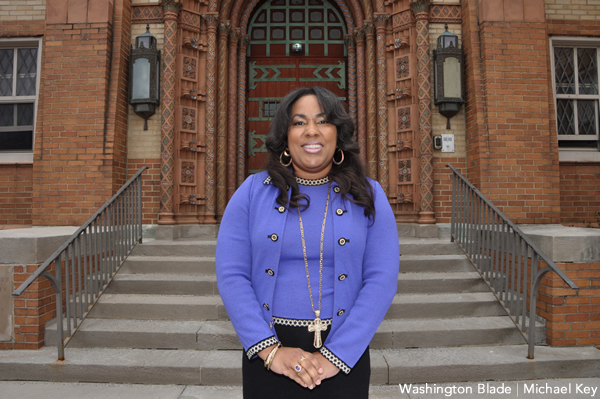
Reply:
x=349, y=175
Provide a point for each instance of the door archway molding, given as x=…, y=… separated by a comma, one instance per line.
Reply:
x=367, y=69
x=221, y=107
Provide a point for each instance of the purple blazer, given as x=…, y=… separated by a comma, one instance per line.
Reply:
x=366, y=253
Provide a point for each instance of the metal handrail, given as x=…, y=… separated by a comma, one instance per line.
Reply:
x=501, y=253
x=88, y=260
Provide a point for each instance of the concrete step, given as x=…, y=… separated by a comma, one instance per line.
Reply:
x=425, y=283
x=187, y=307
x=166, y=284
x=206, y=265
x=137, y=334
x=220, y=335
x=468, y=331
x=431, y=306
x=428, y=246
x=168, y=265
x=159, y=307
x=437, y=365
x=435, y=263
x=151, y=334
x=206, y=247
x=223, y=368
x=201, y=284
x=185, y=248
x=134, y=366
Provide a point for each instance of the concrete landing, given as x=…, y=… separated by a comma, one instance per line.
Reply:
x=52, y=390
x=221, y=368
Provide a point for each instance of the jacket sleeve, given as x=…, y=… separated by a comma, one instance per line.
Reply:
x=234, y=274
x=380, y=270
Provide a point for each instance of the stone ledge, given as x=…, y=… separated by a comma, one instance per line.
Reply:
x=565, y=244
x=34, y=245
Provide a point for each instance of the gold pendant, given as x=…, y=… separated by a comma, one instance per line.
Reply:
x=317, y=326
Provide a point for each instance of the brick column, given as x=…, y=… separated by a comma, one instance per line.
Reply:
x=78, y=159
x=241, y=110
x=221, y=161
x=421, y=10
x=361, y=95
x=516, y=154
x=211, y=19
x=351, y=46
x=167, y=150
x=382, y=113
x=371, y=67
x=231, y=112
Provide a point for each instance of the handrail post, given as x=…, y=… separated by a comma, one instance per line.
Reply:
x=453, y=219
x=533, y=307
x=139, y=213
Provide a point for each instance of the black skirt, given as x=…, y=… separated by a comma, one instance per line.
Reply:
x=259, y=383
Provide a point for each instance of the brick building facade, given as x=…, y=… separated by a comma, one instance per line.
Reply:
x=86, y=139
x=527, y=136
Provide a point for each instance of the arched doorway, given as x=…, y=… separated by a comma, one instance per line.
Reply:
x=228, y=70
x=292, y=43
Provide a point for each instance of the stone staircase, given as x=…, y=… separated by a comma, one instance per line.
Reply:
x=161, y=321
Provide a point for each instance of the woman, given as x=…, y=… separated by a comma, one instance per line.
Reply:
x=307, y=257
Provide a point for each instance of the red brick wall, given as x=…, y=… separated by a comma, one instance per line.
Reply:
x=580, y=194
x=475, y=96
x=70, y=178
x=80, y=153
x=37, y=304
x=442, y=185
x=25, y=28
x=32, y=310
x=523, y=178
x=572, y=318
x=512, y=151
x=116, y=118
x=16, y=179
x=150, y=187
x=15, y=193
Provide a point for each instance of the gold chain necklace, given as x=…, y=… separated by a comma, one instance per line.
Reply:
x=317, y=325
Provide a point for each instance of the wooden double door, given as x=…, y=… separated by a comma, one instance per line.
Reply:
x=264, y=98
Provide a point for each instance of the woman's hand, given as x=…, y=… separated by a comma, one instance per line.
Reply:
x=329, y=369
x=286, y=361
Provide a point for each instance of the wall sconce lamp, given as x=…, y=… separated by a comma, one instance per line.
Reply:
x=144, y=76
x=448, y=65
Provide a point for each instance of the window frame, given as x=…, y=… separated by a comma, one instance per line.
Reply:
x=20, y=156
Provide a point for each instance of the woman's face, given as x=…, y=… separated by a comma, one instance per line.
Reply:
x=311, y=139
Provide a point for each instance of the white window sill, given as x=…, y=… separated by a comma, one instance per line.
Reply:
x=16, y=157
x=575, y=155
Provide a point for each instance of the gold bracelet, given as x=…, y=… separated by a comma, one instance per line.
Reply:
x=269, y=359
x=269, y=356
x=273, y=357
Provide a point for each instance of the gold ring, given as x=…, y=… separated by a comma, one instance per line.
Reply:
x=302, y=359
x=297, y=368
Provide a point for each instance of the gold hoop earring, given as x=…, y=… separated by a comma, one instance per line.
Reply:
x=342, y=160
x=287, y=154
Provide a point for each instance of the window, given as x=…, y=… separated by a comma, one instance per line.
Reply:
x=19, y=82
x=269, y=108
x=576, y=94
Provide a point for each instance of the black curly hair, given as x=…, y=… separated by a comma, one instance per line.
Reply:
x=349, y=175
